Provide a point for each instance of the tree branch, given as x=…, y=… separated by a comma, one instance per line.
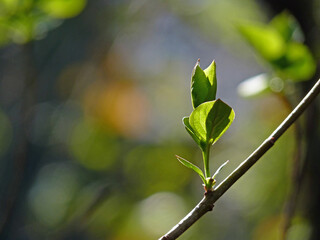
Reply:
x=207, y=203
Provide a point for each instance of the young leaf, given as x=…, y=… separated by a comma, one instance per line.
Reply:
x=203, y=84
x=192, y=166
x=297, y=64
x=265, y=39
x=210, y=120
x=210, y=72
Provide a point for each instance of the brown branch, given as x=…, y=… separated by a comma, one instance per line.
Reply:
x=207, y=203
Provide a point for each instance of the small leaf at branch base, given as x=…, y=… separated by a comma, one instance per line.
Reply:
x=192, y=166
x=219, y=169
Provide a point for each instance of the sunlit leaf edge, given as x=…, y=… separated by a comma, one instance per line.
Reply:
x=190, y=130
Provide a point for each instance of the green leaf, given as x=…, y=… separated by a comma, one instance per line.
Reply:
x=203, y=84
x=192, y=166
x=267, y=41
x=297, y=64
x=280, y=44
x=210, y=72
x=189, y=129
x=287, y=26
x=210, y=120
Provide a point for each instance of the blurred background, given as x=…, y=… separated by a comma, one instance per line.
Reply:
x=92, y=95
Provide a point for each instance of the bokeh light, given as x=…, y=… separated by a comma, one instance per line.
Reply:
x=162, y=210
x=92, y=147
x=51, y=195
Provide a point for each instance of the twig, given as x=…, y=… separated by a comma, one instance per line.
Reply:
x=207, y=203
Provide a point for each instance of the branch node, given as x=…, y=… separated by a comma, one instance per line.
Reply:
x=210, y=207
x=272, y=140
x=207, y=191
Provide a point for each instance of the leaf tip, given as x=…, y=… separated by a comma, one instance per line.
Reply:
x=196, y=68
x=197, y=63
x=180, y=159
